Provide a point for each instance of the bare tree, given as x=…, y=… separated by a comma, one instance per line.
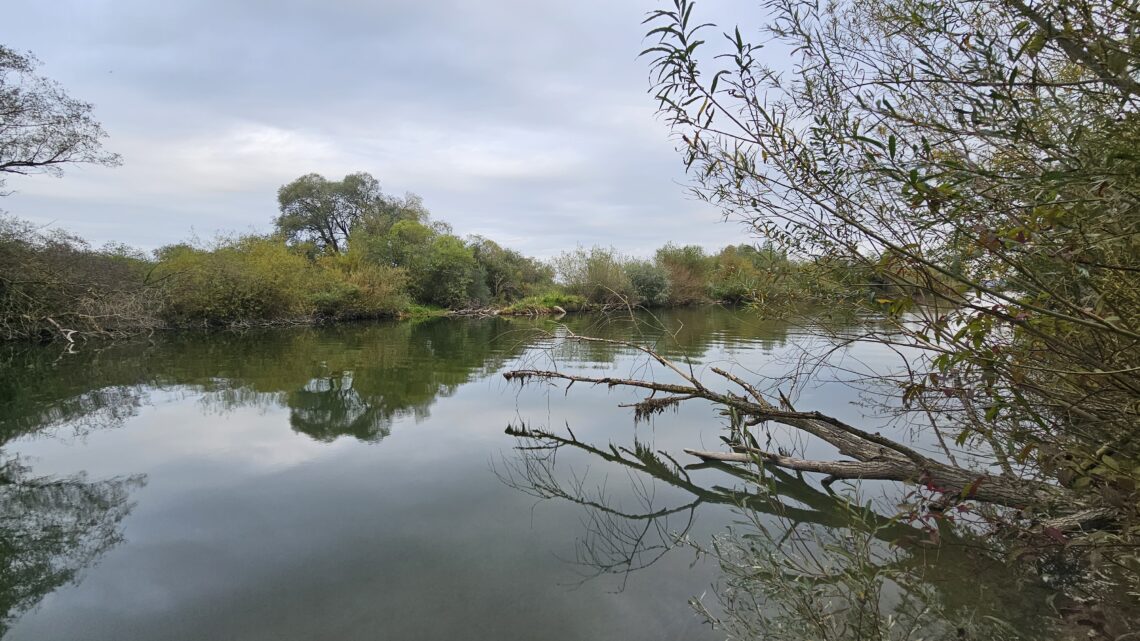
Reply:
x=42, y=129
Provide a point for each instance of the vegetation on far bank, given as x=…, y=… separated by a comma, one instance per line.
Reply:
x=344, y=250
x=339, y=250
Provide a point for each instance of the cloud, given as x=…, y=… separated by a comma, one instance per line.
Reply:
x=527, y=122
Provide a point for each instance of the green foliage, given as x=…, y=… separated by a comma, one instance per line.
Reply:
x=256, y=279
x=598, y=275
x=769, y=280
x=326, y=213
x=974, y=163
x=735, y=278
x=405, y=244
x=238, y=280
x=688, y=268
x=349, y=286
x=650, y=282
x=448, y=277
x=508, y=274
x=548, y=302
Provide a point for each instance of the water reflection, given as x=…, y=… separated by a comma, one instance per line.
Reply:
x=801, y=562
x=348, y=381
x=254, y=542
x=336, y=381
x=51, y=529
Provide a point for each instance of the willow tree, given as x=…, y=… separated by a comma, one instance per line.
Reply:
x=979, y=160
x=327, y=212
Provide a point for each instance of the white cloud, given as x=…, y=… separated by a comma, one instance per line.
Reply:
x=526, y=122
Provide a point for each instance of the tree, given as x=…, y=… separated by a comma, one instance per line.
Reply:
x=405, y=244
x=978, y=159
x=509, y=274
x=450, y=271
x=42, y=129
x=326, y=213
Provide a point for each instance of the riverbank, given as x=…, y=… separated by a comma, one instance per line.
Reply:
x=54, y=286
x=549, y=305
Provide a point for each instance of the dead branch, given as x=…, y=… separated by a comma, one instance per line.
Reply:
x=873, y=456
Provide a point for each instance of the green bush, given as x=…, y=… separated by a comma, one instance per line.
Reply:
x=598, y=275
x=688, y=268
x=350, y=287
x=448, y=278
x=256, y=279
x=507, y=274
x=548, y=302
x=650, y=282
x=735, y=278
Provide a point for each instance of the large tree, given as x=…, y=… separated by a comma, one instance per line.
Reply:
x=326, y=212
x=42, y=129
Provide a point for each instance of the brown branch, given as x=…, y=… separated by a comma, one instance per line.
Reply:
x=875, y=457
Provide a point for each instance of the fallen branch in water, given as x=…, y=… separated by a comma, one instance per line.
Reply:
x=872, y=456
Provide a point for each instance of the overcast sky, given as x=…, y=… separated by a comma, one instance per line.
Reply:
x=527, y=121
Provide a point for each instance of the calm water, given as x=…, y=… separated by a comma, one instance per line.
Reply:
x=355, y=482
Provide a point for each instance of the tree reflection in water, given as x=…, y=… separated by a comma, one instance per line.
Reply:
x=334, y=382
x=801, y=562
x=51, y=529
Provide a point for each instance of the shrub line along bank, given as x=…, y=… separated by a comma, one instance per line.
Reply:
x=55, y=286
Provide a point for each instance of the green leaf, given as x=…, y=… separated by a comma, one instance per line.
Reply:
x=1036, y=44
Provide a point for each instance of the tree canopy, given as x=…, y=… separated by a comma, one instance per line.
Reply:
x=325, y=212
x=42, y=129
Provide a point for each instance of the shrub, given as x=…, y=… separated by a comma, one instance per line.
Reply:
x=448, y=277
x=507, y=274
x=598, y=275
x=547, y=302
x=688, y=269
x=54, y=284
x=258, y=279
x=735, y=278
x=650, y=282
x=348, y=286
x=250, y=278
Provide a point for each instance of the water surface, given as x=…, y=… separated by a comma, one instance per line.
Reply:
x=355, y=482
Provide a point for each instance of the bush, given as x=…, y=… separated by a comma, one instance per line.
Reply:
x=548, y=302
x=598, y=275
x=54, y=284
x=257, y=279
x=350, y=287
x=507, y=274
x=650, y=282
x=688, y=269
x=735, y=278
x=449, y=276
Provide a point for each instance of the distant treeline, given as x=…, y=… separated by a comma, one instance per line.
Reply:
x=346, y=250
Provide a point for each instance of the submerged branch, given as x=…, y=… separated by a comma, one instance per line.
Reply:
x=873, y=456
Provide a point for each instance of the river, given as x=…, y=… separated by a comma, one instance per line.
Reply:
x=356, y=481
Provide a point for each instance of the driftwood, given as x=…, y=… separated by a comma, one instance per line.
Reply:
x=869, y=456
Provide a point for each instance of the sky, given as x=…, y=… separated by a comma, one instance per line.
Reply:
x=525, y=121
